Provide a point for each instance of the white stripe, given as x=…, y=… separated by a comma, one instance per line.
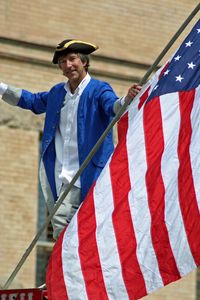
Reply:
x=169, y=167
x=195, y=144
x=138, y=202
x=105, y=236
x=73, y=276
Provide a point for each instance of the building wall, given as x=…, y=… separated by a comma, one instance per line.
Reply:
x=18, y=198
x=184, y=289
x=130, y=35
x=132, y=29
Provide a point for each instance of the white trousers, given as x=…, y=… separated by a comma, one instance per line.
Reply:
x=66, y=210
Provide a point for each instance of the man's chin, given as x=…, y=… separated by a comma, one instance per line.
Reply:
x=70, y=77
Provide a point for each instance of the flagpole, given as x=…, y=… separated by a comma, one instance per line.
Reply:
x=95, y=148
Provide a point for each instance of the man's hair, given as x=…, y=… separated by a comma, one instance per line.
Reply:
x=85, y=59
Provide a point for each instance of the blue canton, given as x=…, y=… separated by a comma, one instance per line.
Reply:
x=183, y=71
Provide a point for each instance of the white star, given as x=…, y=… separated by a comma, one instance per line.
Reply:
x=188, y=44
x=191, y=65
x=179, y=78
x=177, y=57
x=166, y=72
x=198, y=30
x=155, y=88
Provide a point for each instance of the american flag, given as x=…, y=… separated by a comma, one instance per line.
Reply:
x=138, y=228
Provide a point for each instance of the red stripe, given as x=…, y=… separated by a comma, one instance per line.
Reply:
x=143, y=97
x=56, y=288
x=154, y=143
x=187, y=196
x=88, y=251
x=122, y=127
x=122, y=222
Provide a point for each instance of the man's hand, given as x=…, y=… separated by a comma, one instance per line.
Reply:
x=3, y=88
x=132, y=92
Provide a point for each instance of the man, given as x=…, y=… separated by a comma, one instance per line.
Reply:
x=77, y=113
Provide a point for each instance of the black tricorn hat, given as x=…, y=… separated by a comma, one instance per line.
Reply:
x=72, y=45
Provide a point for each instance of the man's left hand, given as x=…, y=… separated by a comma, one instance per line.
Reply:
x=132, y=92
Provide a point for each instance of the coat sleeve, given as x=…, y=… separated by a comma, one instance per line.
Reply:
x=36, y=102
x=107, y=98
x=18, y=97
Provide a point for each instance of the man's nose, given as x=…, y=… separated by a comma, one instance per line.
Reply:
x=68, y=63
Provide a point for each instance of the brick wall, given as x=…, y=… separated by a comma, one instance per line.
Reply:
x=136, y=30
x=18, y=198
x=184, y=289
x=130, y=35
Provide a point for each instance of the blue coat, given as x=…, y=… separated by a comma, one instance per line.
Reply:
x=95, y=111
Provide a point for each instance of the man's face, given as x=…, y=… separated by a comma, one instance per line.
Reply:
x=72, y=67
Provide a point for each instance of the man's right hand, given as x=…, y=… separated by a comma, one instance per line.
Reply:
x=3, y=88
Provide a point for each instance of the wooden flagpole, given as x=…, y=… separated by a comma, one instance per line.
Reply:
x=95, y=148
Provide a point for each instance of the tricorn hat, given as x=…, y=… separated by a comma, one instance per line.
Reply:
x=72, y=45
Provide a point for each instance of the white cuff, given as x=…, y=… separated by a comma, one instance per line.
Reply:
x=122, y=100
x=3, y=88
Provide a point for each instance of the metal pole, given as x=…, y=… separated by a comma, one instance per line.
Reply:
x=95, y=148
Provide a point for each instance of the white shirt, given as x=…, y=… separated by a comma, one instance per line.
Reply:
x=67, y=160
